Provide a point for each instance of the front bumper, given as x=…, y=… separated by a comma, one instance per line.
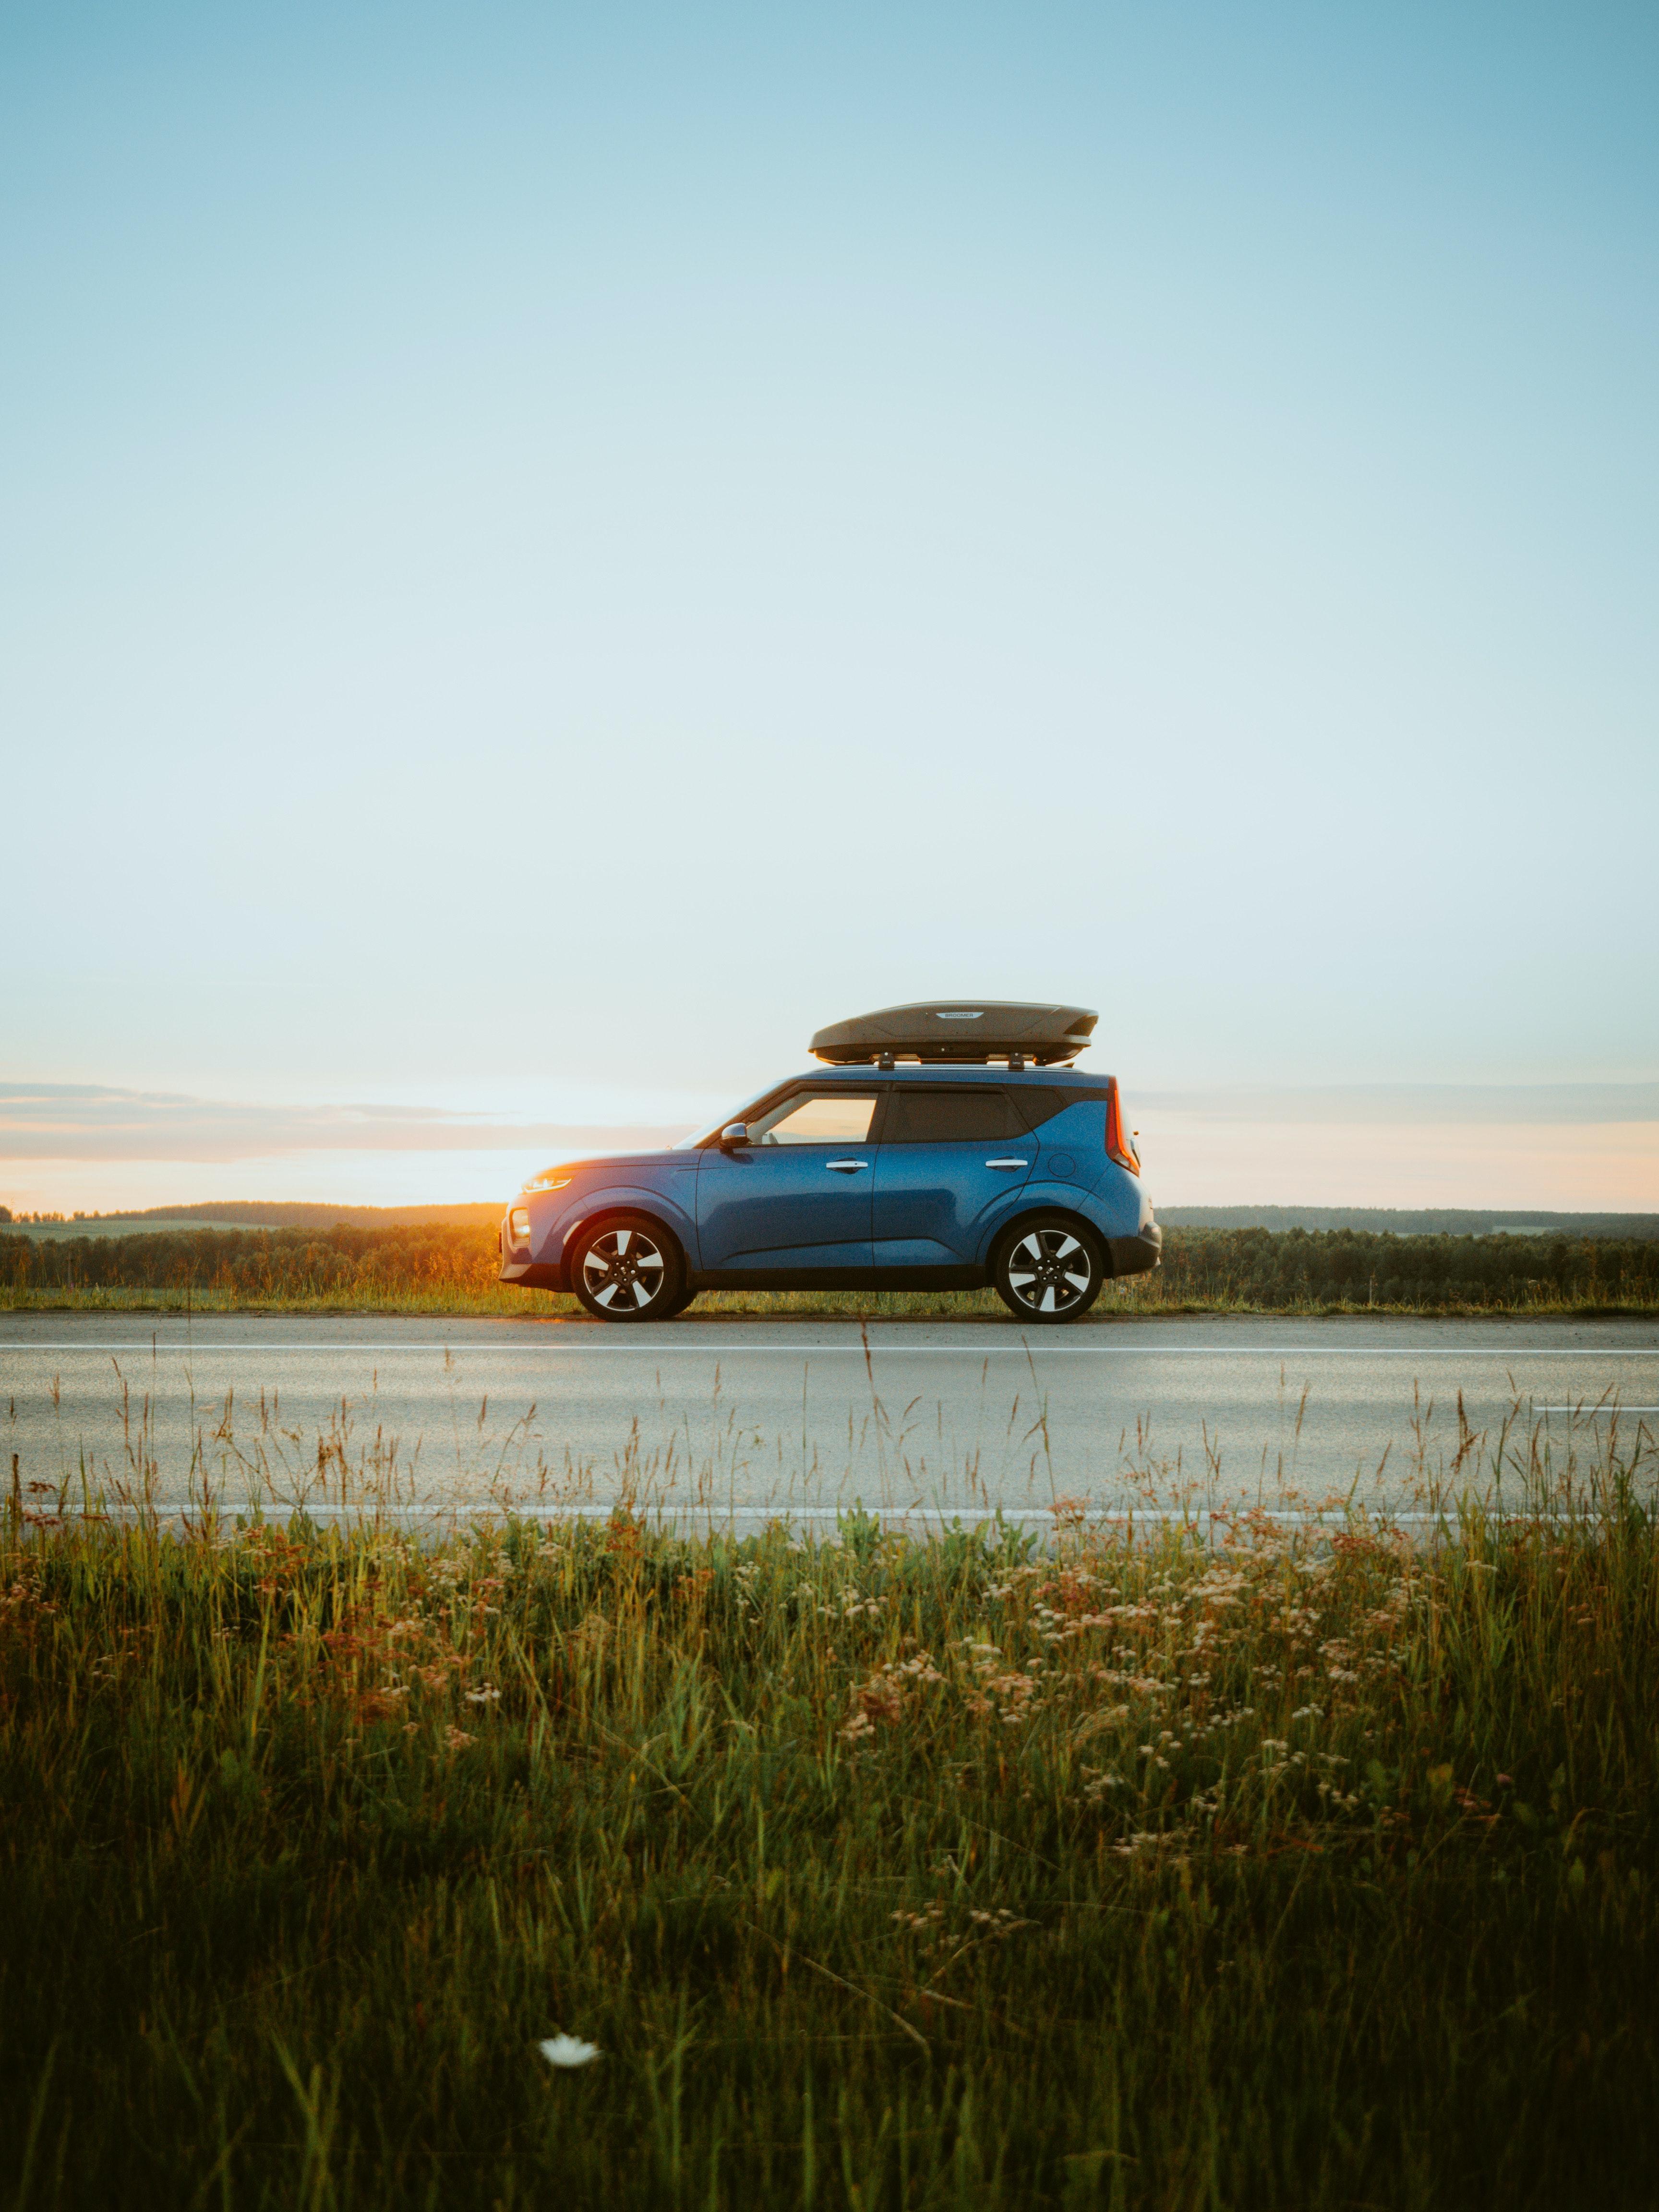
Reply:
x=1137, y=1255
x=518, y=1268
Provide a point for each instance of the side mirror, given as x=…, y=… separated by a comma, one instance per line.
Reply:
x=734, y=1132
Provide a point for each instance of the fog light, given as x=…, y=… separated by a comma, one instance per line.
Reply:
x=518, y=1222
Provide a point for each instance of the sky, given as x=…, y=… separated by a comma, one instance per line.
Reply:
x=552, y=551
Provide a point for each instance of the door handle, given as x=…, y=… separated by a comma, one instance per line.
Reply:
x=845, y=1166
x=1007, y=1163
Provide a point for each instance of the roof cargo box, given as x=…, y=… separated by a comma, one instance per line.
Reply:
x=959, y=1029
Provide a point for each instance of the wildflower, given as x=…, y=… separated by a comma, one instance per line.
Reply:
x=928, y=1917
x=485, y=1694
x=566, y=2051
x=1149, y=1839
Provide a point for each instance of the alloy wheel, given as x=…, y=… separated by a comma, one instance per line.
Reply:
x=1049, y=1270
x=623, y=1270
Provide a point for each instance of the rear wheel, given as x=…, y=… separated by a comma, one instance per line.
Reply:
x=1048, y=1269
x=628, y=1268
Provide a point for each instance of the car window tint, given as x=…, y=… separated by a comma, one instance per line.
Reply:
x=1041, y=1103
x=828, y=1118
x=957, y=1116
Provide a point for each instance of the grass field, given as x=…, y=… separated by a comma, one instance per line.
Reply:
x=436, y=1268
x=1266, y=1869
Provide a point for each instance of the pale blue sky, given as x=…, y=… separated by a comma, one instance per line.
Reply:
x=550, y=551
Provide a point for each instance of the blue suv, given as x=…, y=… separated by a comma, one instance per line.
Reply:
x=875, y=1174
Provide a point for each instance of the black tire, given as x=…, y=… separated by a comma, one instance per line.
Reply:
x=669, y=1313
x=1048, y=1268
x=627, y=1267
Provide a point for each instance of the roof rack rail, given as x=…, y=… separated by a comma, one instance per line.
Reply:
x=967, y=1030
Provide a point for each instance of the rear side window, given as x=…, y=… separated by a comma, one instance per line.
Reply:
x=956, y=1116
x=1041, y=1104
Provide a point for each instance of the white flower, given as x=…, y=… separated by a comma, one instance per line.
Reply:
x=567, y=2050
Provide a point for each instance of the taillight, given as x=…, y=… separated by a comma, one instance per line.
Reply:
x=1118, y=1146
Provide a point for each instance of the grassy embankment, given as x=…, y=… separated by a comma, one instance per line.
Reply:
x=434, y=1269
x=1267, y=1870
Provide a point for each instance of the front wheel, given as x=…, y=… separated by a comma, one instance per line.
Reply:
x=1048, y=1269
x=628, y=1268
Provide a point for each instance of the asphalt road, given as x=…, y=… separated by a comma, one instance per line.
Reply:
x=754, y=1418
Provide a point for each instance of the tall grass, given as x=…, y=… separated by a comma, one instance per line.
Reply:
x=452, y=1269
x=1180, y=1867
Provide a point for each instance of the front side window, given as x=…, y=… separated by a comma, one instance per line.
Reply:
x=836, y=1117
x=957, y=1116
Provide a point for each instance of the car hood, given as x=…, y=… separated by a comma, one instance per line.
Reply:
x=658, y=1156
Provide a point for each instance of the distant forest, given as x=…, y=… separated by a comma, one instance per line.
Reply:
x=266, y=1215
x=1390, y=1221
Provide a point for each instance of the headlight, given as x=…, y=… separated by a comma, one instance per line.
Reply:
x=518, y=1222
x=549, y=1182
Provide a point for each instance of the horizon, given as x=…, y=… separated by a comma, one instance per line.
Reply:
x=258, y=1214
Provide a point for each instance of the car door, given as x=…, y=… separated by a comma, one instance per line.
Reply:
x=796, y=1198
x=949, y=1154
